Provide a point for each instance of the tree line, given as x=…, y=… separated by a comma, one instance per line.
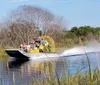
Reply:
x=27, y=22
x=87, y=33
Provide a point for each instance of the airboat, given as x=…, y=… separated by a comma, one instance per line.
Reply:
x=49, y=53
x=35, y=53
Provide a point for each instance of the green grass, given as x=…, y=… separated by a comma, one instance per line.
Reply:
x=3, y=54
x=77, y=79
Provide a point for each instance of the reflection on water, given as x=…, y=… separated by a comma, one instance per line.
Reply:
x=23, y=71
x=16, y=63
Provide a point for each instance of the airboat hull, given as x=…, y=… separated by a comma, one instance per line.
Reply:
x=67, y=53
x=21, y=54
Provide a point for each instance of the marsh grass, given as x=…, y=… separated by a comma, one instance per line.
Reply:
x=3, y=54
x=90, y=77
x=79, y=79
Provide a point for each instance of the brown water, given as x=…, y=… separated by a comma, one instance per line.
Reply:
x=24, y=71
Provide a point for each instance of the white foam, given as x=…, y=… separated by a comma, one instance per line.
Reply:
x=81, y=50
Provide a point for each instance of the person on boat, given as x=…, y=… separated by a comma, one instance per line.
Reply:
x=38, y=44
x=21, y=46
x=33, y=41
x=28, y=48
x=24, y=47
x=34, y=44
x=42, y=44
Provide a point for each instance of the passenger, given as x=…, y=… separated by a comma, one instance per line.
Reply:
x=37, y=44
x=33, y=41
x=21, y=46
x=24, y=47
x=40, y=44
x=46, y=45
x=28, y=48
x=32, y=44
x=44, y=42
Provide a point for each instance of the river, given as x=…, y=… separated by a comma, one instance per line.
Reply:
x=23, y=71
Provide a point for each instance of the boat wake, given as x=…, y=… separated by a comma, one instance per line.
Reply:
x=81, y=50
x=76, y=51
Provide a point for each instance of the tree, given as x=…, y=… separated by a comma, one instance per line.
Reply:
x=27, y=22
x=75, y=30
x=23, y=32
x=40, y=17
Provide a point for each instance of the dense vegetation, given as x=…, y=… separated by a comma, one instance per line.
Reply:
x=79, y=35
x=27, y=22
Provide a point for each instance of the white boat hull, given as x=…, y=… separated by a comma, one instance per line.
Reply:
x=21, y=54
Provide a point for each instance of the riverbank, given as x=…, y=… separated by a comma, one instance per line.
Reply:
x=3, y=54
x=77, y=79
